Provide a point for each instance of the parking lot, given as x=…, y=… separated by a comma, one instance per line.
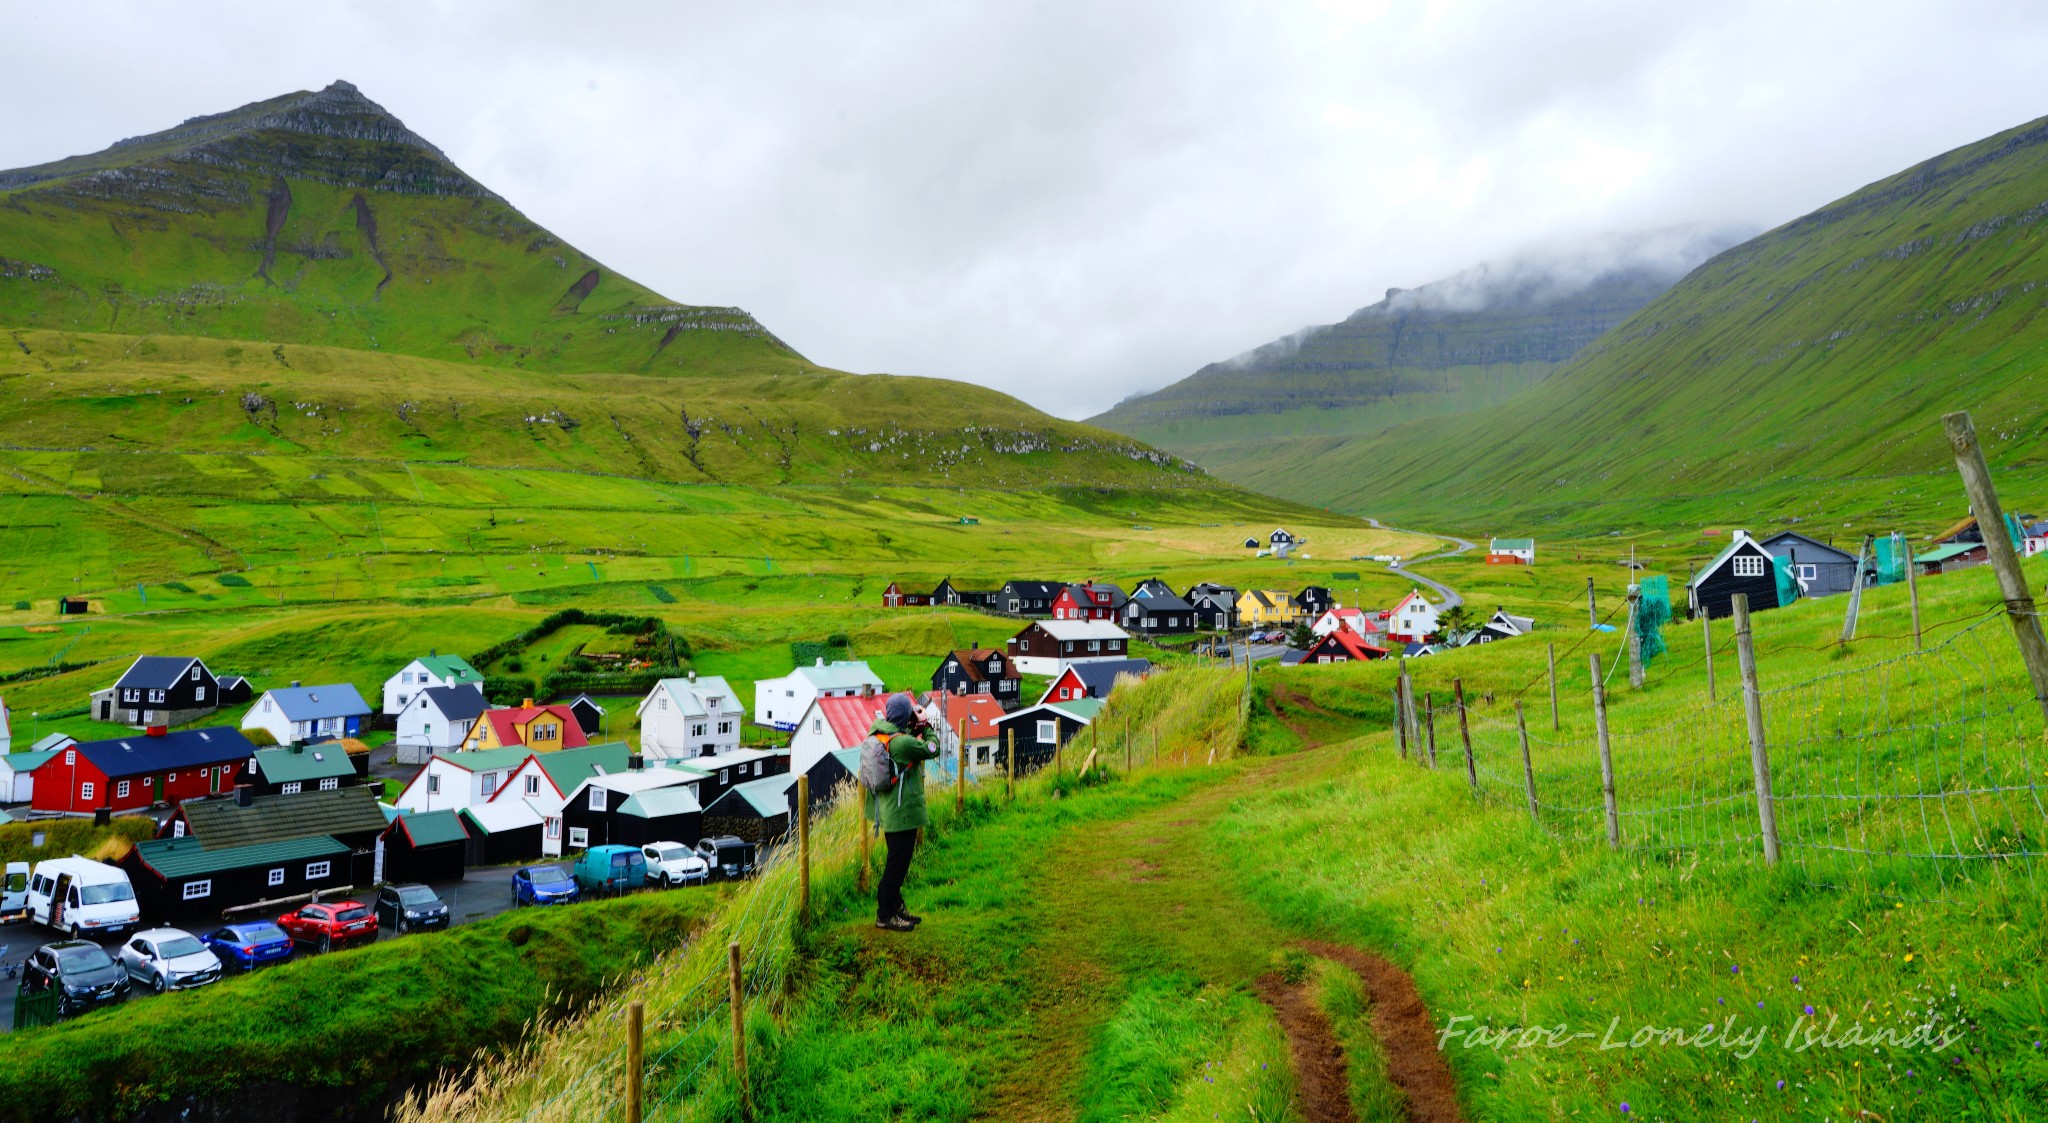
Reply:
x=482, y=893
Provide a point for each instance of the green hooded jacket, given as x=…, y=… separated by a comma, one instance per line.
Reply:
x=902, y=808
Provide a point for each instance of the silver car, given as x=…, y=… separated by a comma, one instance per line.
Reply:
x=168, y=959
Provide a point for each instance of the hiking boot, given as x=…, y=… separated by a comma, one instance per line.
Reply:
x=905, y=915
x=895, y=924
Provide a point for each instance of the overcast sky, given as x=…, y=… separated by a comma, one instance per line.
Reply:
x=1075, y=201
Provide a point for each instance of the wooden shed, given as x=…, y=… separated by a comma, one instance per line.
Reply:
x=429, y=846
x=1744, y=567
x=757, y=810
x=179, y=879
x=501, y=831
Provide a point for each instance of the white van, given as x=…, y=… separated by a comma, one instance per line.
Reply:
x=14, y=893
x=80, y=897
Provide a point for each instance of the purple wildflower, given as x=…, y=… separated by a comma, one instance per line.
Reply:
x=1781, y=1085
x=1809, y=1009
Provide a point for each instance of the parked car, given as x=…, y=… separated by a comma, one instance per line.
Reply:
x=727, y=855
x=543, y=885
x=168, y=959
x=82, y=973
x=77, y=896
x=410, y=908
x=247, y=946
x=610, y=869
x=14, y=894
x=672, y=863
x=330, y=924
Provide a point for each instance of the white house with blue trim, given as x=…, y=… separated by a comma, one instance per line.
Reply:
x=299, y=714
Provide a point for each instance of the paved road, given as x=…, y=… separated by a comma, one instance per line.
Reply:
x=1451, y=597
x=482, y=893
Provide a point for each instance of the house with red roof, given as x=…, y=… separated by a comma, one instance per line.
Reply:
x=832, y=724
x=1343, y=646
x=543, y=729
x=976, y=716
x=1095, y=600
x=1413, y=620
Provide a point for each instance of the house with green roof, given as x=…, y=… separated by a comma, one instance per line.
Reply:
x=184, y=879
x=634, y=808
x=425, y=846
x=288, y=770
x=544, y=781
x=1511, y=551
x=451, y=781
x=758, y=811
x=780, y=702
x=421, y=673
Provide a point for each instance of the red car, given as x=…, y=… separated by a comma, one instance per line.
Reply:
x=331, y=924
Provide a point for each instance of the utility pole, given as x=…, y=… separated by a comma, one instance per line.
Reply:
x=1592, y=614
x=2019, y=602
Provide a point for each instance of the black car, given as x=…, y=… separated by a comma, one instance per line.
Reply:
x=410, y=908
x=82, y=972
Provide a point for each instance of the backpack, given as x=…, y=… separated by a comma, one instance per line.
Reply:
x=877, y=769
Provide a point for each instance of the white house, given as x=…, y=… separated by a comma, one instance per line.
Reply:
x=434, y=670
x=437, y=719
x=832, y=724
x=1511, y=551
x=295, y=713
x=690, y=717
x=544, y=780
x=1413, y=620
x=779, y=702
x=453, y=781
x=1341, y=617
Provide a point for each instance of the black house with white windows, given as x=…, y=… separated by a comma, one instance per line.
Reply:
x=158, y=690
x=1744, y=567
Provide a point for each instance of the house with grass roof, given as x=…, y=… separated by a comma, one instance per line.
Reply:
x=432, y=670
x=350, y=815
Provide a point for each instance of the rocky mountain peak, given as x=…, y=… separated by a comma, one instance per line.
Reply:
x=339, y=111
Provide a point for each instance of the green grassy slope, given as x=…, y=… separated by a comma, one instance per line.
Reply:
x=1463, y=343
x=1801, y=372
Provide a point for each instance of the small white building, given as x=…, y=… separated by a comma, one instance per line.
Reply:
x=832, y=724
x=1413, y=620
x=438, y=719
x=780, y=702
x=690, y=717
x=453, y=781
x=433, y=670
x=295, y=714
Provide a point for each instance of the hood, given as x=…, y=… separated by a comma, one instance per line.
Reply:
x=884, y=728
x=95, y=978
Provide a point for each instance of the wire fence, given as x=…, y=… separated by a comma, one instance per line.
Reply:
x=1914, y=776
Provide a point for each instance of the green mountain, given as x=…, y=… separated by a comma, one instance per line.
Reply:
x=308, y=275
x=1462, y=343
x=1798, y=376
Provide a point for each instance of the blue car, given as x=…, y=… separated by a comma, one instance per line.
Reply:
x=543, y=885
x=245, y=947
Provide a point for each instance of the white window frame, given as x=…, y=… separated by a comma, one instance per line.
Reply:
x=331, y=783
x=276, y=877
x=316, y=870
x=197, y=889
x=1748, y=565
x=1049, y=732
x=433, y=783
x=121, y=790
x=579, y=838
x=292, y=788
x=1808, y=571
x=85, y=790
x=533, y=785
x=597, y=799
x=554, y=828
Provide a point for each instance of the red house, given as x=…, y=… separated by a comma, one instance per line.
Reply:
x=1342, y=646
x=132, y=773
x=895, y=597
x=1093, y=601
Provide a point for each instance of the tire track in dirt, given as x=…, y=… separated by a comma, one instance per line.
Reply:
x=1406, y=1032
x=1321, y=1074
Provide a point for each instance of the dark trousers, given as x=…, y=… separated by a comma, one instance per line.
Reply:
x=889, y=894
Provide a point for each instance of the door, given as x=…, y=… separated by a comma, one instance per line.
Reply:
x=156, y=785
x=216, y=773
x=60, y=895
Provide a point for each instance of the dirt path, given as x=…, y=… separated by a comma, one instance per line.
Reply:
x=1320, y=1068
x=1407, y=1034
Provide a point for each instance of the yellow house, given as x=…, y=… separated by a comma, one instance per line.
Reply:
x=1265, y=608
x=540, y=728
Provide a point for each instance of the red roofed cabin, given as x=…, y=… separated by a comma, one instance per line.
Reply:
x=831, y=724
x=895, y=597
x=1342, y=646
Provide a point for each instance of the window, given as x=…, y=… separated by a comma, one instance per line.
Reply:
x=315, y=870
x=533, y=785
x=266, y=703
x=725, y=775
x=554, y=828
x=661, y=703
x=1048, y=732
x=490, y=784
x=579, y=837
x=1749, y=565
x=199, y=693
x=70, y=756
x=597, y=799
x=85, y=790
x=197, y=889
x=330, y=783
x=292, y=788
x=697, y=729
x=156, y=695
x=276, y=877
x=1808, y=572
x=725, y=727
x=195, y=672
x=817, y=726
x=433, y=784
x=121, y=790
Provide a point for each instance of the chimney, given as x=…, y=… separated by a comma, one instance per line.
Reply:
x=635, y=763
x=527, y=704
x=693, y=676
x=245, y=795
x=821, y=661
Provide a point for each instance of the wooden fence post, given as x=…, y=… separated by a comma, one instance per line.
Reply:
x=867, y=840
x=1429, y=721
x=1465, y=734
x=1554, y=726
x=1635, y=637
x=1400, y=722
x=1912, y=589
x=1753, y=716
x=1855, y=592
x=738, y=997
x=1127, y=743
x=1528, y=769
x=803, y=845
x=1606, y=758
x=1707, y=631
x=1010, y=776
x=1592, y=613
x=636, y=1018
x=2012, y=584
x=960, y=770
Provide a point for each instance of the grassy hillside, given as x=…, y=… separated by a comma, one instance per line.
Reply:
x=1800, y=374
x=1456, y=345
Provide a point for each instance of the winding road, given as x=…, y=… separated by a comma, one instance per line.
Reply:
x=1451, y=597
